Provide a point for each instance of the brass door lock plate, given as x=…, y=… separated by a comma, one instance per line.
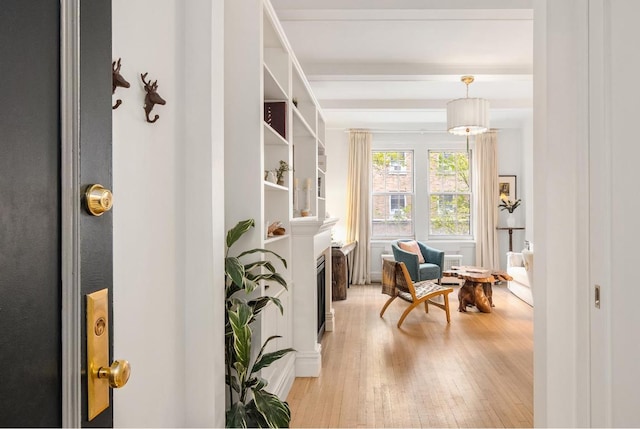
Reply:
x=101, y=375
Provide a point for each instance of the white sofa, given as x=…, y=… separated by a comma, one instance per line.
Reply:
x=520, y=267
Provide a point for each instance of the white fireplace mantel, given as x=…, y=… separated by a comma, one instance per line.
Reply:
x=311, y=238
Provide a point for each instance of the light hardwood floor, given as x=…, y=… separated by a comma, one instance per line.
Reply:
x=475, y=372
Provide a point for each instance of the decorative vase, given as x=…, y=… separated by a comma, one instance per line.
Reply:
x=511, y=220
x=271, y=177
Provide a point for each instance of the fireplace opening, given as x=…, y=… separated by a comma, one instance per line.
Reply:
x=320, y=271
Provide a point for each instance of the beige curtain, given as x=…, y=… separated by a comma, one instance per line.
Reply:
x=358, y=216
x=486, y=173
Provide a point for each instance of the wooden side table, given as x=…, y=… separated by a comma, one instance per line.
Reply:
x=510, y=229
x=340, y=273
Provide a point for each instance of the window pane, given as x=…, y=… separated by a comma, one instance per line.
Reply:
x=449, y=172
x=450, y=214
x=392, y=215
x=392, y=172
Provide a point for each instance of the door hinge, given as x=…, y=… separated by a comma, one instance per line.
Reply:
x=597, y=296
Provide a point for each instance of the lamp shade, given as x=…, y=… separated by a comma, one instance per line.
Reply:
x=468, y=116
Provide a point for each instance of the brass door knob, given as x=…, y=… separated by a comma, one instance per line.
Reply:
x=118, y=373
x=99, y=199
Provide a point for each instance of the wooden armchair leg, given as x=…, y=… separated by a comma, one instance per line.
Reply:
x=386, y=304
x=407, y=311
x=426, y=306
x=446, y=307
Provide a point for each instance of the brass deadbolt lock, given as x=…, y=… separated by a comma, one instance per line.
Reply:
x=98, y=199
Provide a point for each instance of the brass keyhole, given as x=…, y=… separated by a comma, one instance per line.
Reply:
x=100, y=326
x=98, y=199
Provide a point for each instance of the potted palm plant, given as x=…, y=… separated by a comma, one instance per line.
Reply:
x=250, y=405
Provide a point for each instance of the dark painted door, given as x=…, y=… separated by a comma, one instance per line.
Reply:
x=30, y=214
x=96, y=245
x=30, y=200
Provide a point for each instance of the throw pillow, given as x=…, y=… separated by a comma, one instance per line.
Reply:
x=412, y=246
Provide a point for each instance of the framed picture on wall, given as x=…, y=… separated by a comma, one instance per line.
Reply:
x=507, y=186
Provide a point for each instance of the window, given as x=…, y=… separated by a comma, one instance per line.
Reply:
x=392, y=194
x=449, y=194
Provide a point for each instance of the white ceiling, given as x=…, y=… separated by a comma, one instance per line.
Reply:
x=394, y=64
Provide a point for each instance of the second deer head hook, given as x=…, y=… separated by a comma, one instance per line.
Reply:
x=152, y=98
x=117, y=81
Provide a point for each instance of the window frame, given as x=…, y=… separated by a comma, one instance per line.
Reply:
x=373, y=194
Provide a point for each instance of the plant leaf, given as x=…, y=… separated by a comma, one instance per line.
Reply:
x=241, y=335
x=258, y=304
x=255, y=419
x=234, y=270
x=249, y=252
x=274, y=277
x=249, y=285
x=232, y=381
x=261, y=384
x=253, y=265
x=231, y=289
x=244, y=312
x=268, y=358
x=242, y=373
x=236, y=416
x=275, y=412
x=252, y=382
x=264, y=345
x=238, y=231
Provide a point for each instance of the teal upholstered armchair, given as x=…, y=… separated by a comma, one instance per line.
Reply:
x=430, y=269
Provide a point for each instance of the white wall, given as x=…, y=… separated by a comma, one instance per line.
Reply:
x=511, y=161
x=526, y=179
x=337, y=148
x=167, y=243
x=203, y=212
x=619, y=291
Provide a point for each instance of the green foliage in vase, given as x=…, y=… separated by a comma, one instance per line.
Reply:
x=250, y=404
x=507, y=204
x=282, y=168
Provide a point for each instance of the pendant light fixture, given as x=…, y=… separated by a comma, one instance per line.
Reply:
x=468, y=116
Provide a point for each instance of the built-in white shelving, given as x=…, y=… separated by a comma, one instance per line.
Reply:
x=271, y=136
x=261, y=67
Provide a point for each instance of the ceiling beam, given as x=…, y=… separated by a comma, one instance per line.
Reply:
x=396, y=105
x=402, y=4
x=389, y=15
x=420, y=72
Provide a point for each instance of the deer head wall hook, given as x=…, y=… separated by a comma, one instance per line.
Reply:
x=152, y=98
x=117, y=80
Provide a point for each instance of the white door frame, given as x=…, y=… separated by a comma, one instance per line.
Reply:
x=70, y=203
x=562, y=291
x=600, y=267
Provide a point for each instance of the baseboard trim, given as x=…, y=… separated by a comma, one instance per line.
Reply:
x=308, y=364
x=330, y=320
x=281, y=385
